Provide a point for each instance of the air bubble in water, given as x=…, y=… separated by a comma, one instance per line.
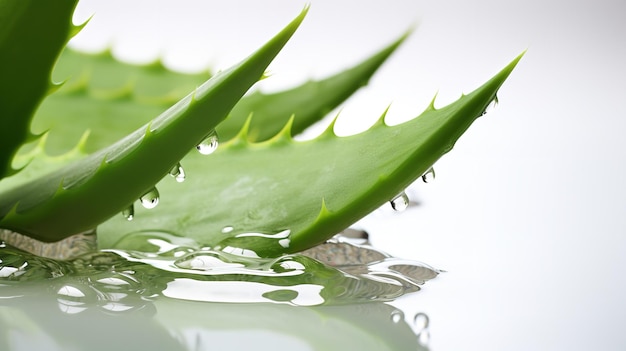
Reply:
x=71, y=299
x=150, y=199
x=397, y=316
x=209, y=144
x=202, y=262
x=70, y=291
x=400, y=202
x=429, y=176
x=178, y=173
x=129, y=212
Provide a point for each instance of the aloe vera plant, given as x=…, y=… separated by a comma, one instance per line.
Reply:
x=260, y=190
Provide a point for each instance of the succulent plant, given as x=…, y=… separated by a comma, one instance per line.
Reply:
x=113, y=132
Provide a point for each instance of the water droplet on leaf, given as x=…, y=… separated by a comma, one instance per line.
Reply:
x=227, y=229
x=492, y=105
x=129, y=212
x=284, y=243
x=178, y=173
x=429, y=176
x=209, y=144
x=400, y=202
x=150, y=199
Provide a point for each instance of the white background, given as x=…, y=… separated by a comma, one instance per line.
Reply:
x=527, y=213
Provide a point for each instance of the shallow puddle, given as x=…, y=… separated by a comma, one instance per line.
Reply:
x=189, y=297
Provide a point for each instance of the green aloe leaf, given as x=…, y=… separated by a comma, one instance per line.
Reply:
x=83, y=194
x=101, y=91
x=32, y=33
x=261, y=191
x=118, y=98
x=308, y=103
x=283, y=195
x=107, y=97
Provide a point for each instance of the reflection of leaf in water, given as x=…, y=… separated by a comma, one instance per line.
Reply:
x=355, y=256
x=167, y=324
x=68, y=248
x=75, y=300
x=165, y=265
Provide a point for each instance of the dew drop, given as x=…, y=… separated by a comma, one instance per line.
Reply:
x=129, y=212
x=150, y=199
x=400, y=202
x=209, y=144
x=227, y=229
x=397, y=316
x=492, y=105
x=284, y=243
x=178, y=173
x=429, y=176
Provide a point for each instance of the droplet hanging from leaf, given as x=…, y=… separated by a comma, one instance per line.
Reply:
x=209, y=144
x=150, y=199
x=129, y=212
x=429, y=176
x=492, y=105
x=178, y=173
x=400, y=202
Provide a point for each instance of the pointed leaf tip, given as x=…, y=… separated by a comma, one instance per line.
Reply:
x=243, y=133
x=506, y=71
x=54, y=87
x=80, y=146
x=77, y=28
x=330, y=130
x=381, y=119
x=285, y=34
x=509, y=68
x=488, y=91
x=285, y=134
x=30, y=42
x=156, y=65
x=324, y=211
